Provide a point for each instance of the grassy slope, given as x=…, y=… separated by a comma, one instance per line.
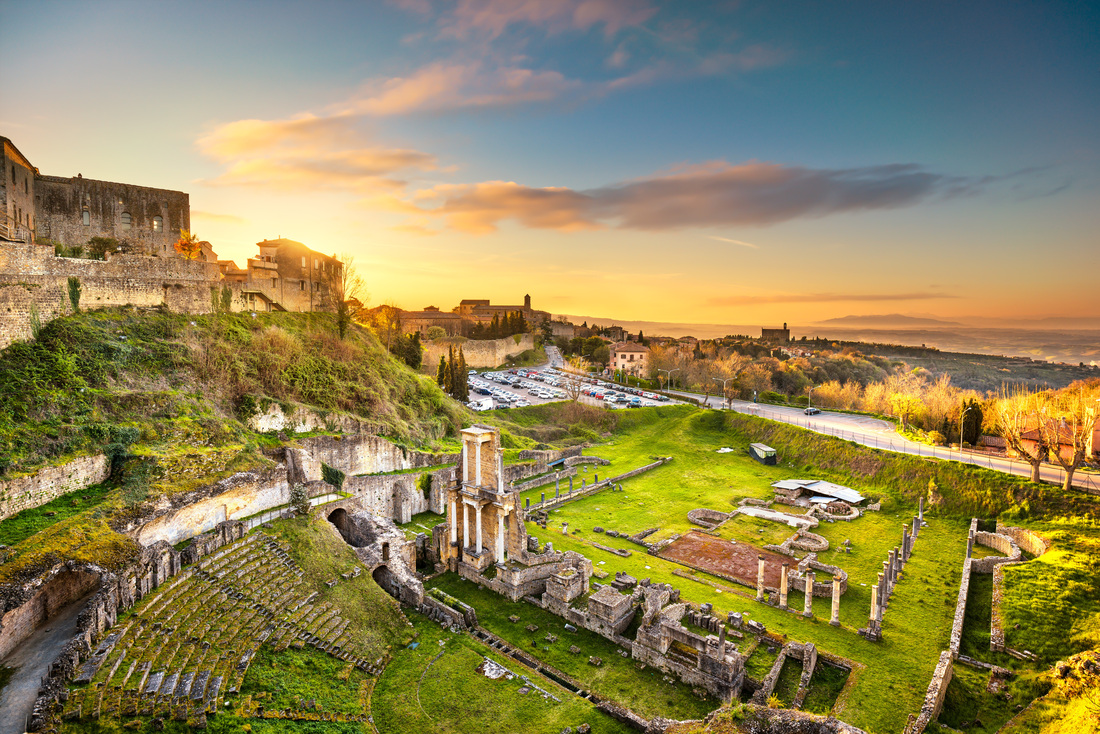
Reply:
x=436, y=688
x=323, y=555
x=170, y=390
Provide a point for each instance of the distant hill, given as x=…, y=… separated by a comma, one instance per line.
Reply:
x=895, y=320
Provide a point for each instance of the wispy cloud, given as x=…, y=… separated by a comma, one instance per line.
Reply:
x=488, y=19
x=734, y=242
x=825, y=298
x=712, y=194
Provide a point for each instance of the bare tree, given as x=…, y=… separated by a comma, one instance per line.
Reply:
x=345, y=291
x=1018, y=415
x=574, y=388
x=385, y=321
x=1066, y=426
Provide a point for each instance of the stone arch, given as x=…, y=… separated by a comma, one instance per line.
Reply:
x=339, y=518
x=385, y=578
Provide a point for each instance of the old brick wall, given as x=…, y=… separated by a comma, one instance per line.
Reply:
x=37, y=489
x=60, y=589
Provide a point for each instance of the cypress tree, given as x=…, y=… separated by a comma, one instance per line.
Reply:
x=441, y=373
x=462, y=378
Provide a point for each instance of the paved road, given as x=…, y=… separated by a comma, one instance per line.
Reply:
x=32, y=659
x=881, y=434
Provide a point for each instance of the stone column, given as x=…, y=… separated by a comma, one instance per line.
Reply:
x=465, y=465
x=570, y=484
x=465, y=525
x=722, y=642
x=783, y=586
x=897, y=563
x=808, y=608
x=834, y=620
x=543, y=500
x=970, y=545
x=905, y=542
x=920, y=509
x=892, y=561
x=874, y=609
x=557, y=482
x=916, y=527
x=477, y=469
x=477, y=512
x=884, y=583
x=881, y=604
x=454, y=521
x=760, y=578
x=500, y=535
x=528, y=505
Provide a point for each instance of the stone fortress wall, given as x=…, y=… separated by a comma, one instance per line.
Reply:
x=479, y=352
x=32, y=278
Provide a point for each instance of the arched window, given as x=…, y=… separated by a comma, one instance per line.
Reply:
x=158, y=224
x=126, y=220
x=87, y=217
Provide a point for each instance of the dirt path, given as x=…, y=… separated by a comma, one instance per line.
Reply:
x=31, y=660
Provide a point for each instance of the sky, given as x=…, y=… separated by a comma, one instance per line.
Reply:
x=713, y=162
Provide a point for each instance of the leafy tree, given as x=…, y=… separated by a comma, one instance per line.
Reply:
x=970, y=430
x=436, y=332
x=601, y=355
x=189, y=246
x=98, y=247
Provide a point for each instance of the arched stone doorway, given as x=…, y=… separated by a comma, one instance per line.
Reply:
x=384, y=577
x=339, y=518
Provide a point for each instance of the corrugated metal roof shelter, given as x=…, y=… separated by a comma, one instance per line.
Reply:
x=819, y=487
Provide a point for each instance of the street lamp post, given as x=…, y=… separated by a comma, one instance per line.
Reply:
x=962, y=422
x=810, y=397
x=668, y=373
x=724, y=381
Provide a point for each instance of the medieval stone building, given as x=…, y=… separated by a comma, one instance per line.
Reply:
x=284, y=276
x=71, y=211
x=468, y=312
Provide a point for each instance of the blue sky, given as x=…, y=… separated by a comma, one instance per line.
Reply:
x=731, y=162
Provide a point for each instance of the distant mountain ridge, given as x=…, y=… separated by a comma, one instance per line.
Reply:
x=892, y=319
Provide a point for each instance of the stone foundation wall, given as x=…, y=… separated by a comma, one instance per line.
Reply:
x=51, y=482
x=365, y=454
x=1029, y=542
x=59, y=588
x=399, y=496
x=481, y=352
x=30, y=275
x=933, y=699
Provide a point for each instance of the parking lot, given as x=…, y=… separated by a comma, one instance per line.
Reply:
x=519, y=388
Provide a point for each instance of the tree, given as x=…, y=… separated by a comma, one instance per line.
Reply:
x=74, y=293
x=574, y=388
x=601, y=355
x=1066, y=426
x=189, y=246
x=970, y=422
x=344, y=291
x=462, y=375
x=385, y=321
x=441, y=373
x=435, y=332
x=1018, y=415
x=98, y=247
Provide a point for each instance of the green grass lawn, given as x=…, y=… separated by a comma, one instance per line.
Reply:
x=786, y=686
x=917, y=623
x=436, y=687
x=618, y=678
x=972, y=708
x=825, y=686
x=287, y=679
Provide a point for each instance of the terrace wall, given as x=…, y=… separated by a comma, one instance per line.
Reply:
x=51, y=482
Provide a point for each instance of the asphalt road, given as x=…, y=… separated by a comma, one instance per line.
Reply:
x=881, y=434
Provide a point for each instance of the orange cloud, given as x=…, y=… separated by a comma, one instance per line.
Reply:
x=307, y=151
x=707, y=195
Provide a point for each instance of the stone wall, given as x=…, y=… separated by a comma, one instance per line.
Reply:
x=479, y=353
x=364, y=454
x=399, y=496
x=30, y=275
x=63, y=202
x=57, y=589
x=37, y=489
x=304, y=419
x=1021, y=539
x=1030, y=542
x=933, y=699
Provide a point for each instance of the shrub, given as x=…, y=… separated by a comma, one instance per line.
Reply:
x=332, y=476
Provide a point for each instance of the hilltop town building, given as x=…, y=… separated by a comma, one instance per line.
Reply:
x=468, y=312
x=780, y=336
x=630, y=357
x=144, y=220
x=285, y=276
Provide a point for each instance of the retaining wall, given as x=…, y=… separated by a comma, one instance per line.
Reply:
x=478, y=352
x=23, y=493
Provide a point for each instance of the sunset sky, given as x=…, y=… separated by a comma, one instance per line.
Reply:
x=721, y=162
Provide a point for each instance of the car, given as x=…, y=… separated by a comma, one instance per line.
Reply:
x=811, y=411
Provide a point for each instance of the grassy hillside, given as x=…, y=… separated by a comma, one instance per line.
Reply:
x=166, y=397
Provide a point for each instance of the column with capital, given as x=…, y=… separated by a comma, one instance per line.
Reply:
x=477, y=511
x=500, y=535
